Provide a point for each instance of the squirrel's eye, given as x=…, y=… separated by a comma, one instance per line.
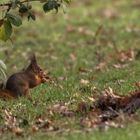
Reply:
x=41, y=70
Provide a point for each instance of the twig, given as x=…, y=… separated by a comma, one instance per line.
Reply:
x=10, y=3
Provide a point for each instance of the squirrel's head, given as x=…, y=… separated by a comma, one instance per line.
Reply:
x=36, y=70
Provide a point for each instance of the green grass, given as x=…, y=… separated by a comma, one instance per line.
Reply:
x=62, y=52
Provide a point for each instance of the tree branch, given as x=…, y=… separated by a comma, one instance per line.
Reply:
x=10, y=3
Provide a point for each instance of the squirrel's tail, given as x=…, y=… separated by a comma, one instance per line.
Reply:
x=5, y=94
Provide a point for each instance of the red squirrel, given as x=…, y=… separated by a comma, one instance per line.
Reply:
x=18, y=84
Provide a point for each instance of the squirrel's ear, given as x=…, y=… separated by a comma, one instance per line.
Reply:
x=33, y=63
x=33, y=59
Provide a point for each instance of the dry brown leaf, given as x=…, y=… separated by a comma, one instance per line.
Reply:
x=84, y=82
x=120, y=82
x=137, y=84
x=73, y=57
x=101, y=66
x=125, y=55
x=120, y=66
x=108, y=13
x=82, y=107
x=18, y=131
x=84, y=70
x=84, y=31
x=70, y=28
x=34, y=128
x=91, y=99
x=81, y=30
x=61, y=109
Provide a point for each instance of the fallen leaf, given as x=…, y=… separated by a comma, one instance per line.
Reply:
x=34, y=128
x=18, y=131
x=125, y=55
x=84, y=82
x=120, y=66
x=100, y=66
x=82, y=107
x=108, y=13
x=137, y=84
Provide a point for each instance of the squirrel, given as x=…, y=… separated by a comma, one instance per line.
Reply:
x=20, y=83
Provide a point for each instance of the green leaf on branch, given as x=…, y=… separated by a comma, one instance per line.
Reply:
x=8, y=29
x=14, y=19
x=50, y=5
x=23, y=9
x=5, y=30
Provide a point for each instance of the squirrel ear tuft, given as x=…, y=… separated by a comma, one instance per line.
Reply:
x=33, y=63
x=33, y=59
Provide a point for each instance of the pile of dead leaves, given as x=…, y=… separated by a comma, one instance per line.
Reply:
x=111, y=110
x=17, y=125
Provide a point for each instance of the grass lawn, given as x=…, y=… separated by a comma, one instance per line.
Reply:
x=82, y=45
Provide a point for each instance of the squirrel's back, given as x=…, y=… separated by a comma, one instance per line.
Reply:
x=17, y=84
